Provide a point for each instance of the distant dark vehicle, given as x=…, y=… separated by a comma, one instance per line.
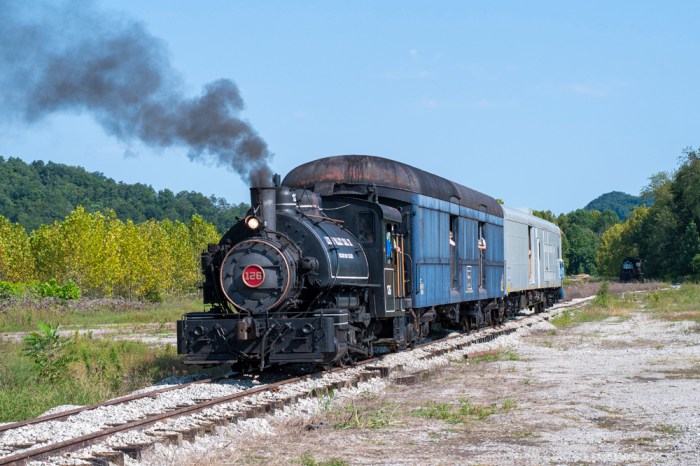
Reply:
x=632, y=270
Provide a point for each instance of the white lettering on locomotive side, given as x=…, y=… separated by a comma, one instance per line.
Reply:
x=343, y=255
x=336, y=241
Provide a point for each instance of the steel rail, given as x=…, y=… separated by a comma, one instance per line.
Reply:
x=115, y=401
x=92, y=438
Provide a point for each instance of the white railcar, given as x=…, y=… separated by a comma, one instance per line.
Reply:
x=533, y=260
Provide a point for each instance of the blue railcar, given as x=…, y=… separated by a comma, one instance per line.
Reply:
x=450, y=272
x=436, y=277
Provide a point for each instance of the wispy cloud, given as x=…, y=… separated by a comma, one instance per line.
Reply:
x=487, y=104
x=407, y=75
x=488, y=73
x=427, y=103
x=586, y=90
x=430, y=104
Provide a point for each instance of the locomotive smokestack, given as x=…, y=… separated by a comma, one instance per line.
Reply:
x=72, y=56
x=263, y=195
x=265, y=198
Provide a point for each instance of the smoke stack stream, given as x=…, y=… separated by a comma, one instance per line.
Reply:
x=71, y=56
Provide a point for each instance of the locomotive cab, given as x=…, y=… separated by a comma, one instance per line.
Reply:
x=381, y=231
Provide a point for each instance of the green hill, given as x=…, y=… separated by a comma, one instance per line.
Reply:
x=620, y=203
x=38, y=193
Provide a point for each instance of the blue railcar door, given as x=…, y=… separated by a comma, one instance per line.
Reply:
x=390, y=277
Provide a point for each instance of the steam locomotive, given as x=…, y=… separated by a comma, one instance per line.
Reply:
x=351, y=253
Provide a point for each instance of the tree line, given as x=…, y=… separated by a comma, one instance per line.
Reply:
x=666, y=234
x=107, y=257
x=40, y=193
x=664, y=230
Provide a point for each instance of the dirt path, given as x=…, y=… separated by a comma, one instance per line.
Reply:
x=621, y=391
x=156, y=335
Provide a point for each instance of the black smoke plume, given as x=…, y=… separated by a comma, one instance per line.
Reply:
x=72, y=56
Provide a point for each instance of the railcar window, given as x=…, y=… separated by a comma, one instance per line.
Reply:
x=454, y=253
x=481, y=244
x=389, y=246
x=529, y=252
x=366, y=230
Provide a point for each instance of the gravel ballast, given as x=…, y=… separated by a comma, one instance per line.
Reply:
x=620, y=391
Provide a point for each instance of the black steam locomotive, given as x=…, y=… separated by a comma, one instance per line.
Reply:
x=352, y=252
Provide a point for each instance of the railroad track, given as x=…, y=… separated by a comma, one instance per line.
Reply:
x=176, y=421
x=123, y=399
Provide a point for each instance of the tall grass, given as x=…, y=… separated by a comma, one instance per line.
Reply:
x=670, y=304
x=99, y=369
x=599, y=309
x=603, y=298
x=676, y=303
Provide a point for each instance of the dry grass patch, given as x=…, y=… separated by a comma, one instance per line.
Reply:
x=691, y=373
x=585, y=289
x=682, y=316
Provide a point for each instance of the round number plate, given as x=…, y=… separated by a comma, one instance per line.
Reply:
x=253, y=276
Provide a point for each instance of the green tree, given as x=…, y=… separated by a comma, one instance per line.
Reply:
x=696, y=266
x=604, y=221
x=618, y=202
x=582, y=250
x=657, y=240
x=688, y=248
x=40, y=193
x=76, y=249
x=581, y=233
x=685, y=188
x=16, y=260
x=620, y=241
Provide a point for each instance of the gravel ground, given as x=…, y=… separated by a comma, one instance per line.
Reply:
x=620, y=391
x=156, y=335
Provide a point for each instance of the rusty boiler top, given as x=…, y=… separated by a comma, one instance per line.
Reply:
x=368, y=170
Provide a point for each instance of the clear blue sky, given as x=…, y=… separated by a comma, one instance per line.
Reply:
x=543, y=104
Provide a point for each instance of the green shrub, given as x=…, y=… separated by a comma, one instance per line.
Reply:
x=603, y=298
x=52, y=289
x=48, y=351
x=12, y=290
x=695, y=264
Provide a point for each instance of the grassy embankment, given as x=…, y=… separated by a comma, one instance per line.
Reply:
x=91, y=369
x=674, y=304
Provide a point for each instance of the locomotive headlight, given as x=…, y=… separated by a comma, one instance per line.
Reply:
x=252, y=222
